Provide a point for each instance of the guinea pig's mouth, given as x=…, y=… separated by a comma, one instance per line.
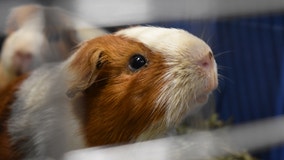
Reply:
x=202, y=98
x=210, y=86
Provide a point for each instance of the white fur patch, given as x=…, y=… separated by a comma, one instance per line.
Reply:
x=169, y=41
x=43, y=115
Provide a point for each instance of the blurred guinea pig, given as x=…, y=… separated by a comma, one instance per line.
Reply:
x=130, y=86
x=38, y=34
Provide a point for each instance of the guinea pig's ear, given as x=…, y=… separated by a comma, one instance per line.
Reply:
x=2, y=40
x=87, y=67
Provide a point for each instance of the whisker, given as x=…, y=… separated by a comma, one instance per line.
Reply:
x=100, y=80
x=222, y=53
x=204, y=30
x=218, y=90
x=219, y=67
x=222, y=77
x=209, y=39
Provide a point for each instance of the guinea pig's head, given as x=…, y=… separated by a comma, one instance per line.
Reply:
x=23, y=51
x=137, y=83
x=25, y=47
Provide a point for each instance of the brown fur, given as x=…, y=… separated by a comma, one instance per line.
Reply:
x=130, y=107
x=7, y=96
x=4, y=78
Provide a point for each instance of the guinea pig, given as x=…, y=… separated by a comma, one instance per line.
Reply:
x=120, y=88
x=53, y=16
x=37, y=34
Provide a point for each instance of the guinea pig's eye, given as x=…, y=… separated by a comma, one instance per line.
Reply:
x=137, y=61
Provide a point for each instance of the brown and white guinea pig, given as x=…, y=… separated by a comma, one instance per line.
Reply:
x=125, y=87
x=38, y=34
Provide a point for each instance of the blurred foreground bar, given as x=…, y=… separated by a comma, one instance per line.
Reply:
x=116, y=13
x=198, y=145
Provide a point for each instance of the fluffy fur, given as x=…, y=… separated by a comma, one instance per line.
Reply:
x=94, y=98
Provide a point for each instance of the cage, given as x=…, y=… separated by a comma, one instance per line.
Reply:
x=247, y=38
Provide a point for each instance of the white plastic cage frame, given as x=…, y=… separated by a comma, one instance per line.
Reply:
x=127, y=12
x=203, y=145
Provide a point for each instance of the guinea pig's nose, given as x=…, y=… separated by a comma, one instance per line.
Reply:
x=207, y=61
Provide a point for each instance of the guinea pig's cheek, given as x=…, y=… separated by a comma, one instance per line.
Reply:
x=205, y=90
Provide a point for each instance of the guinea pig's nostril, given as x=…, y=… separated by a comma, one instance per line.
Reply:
x=206, y=61
x=205, y=64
